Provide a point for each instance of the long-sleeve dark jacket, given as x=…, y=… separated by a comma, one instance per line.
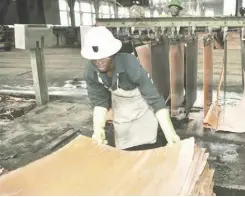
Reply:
x=131, y=75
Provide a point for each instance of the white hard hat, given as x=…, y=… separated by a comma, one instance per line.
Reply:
x=99, y=43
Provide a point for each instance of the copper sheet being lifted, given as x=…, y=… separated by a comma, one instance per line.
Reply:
x=144, y=55
x=228, y=118
x=176, y=59
x=160, y=68
x=208, y=72
x=85, y=168
x=191, y=72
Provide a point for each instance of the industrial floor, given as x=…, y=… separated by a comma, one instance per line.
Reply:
x=64, y=64
x=43, y=130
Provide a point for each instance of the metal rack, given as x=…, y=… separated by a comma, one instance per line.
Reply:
x=212, y=22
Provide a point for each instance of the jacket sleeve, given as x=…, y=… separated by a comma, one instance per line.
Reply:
x=142, y=79
x=97, y=93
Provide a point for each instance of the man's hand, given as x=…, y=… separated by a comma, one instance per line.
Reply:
x=172, y=138
x=99, y=121
x=167, y=126
x=99, y=136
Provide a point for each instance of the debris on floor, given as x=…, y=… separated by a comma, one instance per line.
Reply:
x=180, y=169
x=76, y=82
x=42, y=130
x=13, y=107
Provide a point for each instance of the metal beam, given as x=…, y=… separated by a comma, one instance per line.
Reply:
x=215, y=22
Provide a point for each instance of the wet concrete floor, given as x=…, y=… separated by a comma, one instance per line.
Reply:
x=227, y=150
x=226, y=156
x=228, y=160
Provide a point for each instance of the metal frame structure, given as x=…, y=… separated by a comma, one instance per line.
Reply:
x=195, y=24
x=212, y=22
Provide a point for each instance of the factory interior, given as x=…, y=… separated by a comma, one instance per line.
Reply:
x=192, y=50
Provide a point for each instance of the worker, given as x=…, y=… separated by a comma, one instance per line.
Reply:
x=175, y=7
x=136, y=11
x=119, y=79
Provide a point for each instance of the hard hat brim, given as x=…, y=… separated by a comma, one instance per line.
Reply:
x=111, y=49
x=181, y=8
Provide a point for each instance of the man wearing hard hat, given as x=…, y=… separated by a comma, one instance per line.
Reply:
x=119, y=79
x=175, y=7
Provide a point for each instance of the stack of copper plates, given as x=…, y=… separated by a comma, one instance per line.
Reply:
x=85, y=168
x=226, y=118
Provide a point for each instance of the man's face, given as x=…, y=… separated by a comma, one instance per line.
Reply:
x=174, y=10
x=104, y=64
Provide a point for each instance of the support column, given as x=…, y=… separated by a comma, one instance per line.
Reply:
x=71, y=4
x=96, y=7
x=39, y=75
x=242, y=58
x=115, y=7
x=151, y=12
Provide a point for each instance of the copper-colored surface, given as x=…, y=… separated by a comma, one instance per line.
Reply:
x=176, y=60
x=85, y=168
x=233, y=37
x=208, y=73
x=211, y=120
x=144, y=55
x=228, y=118
x=231, y=118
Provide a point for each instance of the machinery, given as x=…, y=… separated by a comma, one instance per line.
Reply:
x=172, y=61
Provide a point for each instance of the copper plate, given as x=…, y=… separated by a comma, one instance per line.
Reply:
x=208, y=72
x=85, y=168
x=226, y=118
x=191, y=72
x=176, y=59
x=160, y=67
x=144, y=55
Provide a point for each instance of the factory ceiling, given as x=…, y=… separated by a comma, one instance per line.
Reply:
x=211, y=1
x=128, y=3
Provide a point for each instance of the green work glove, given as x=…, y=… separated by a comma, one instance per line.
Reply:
x=99, y=122
x=167, y=126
